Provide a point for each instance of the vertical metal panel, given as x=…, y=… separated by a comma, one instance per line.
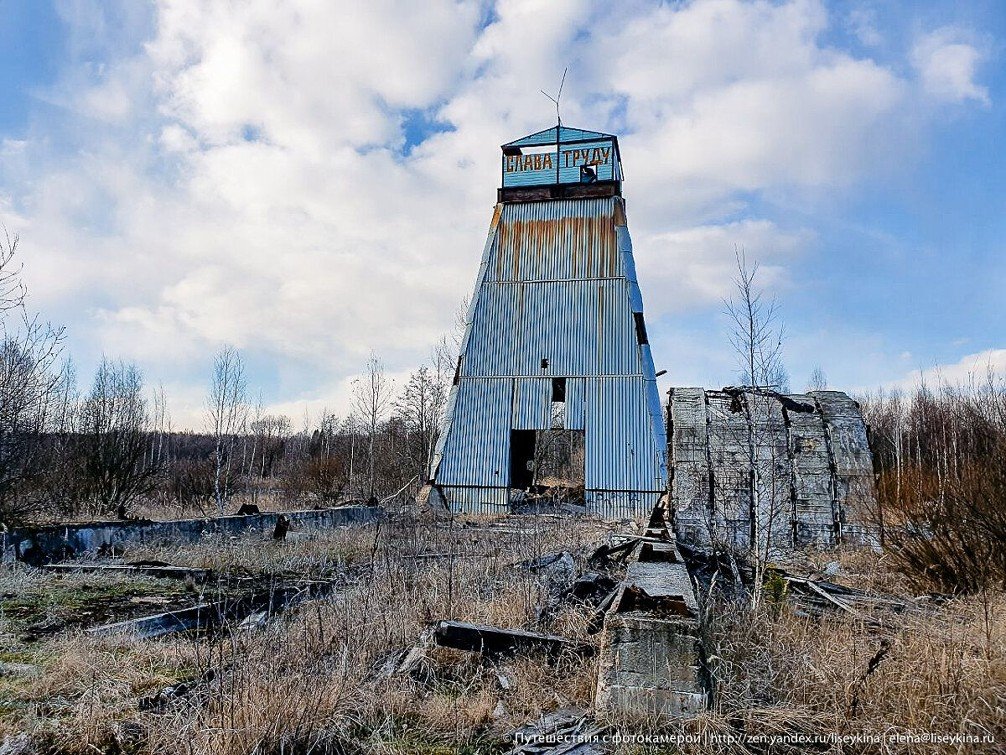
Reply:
x=559, y=240
x=532, y=404
x=576, y=403
x=580, y=327
x=478, y=500
x=477, y=448
x=621, y=453
x=616, y=504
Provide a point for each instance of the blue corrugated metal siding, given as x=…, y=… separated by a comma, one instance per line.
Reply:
x=557, y=283
x=548, y=136
x=556, y=241
x=621, y=448
x=580, y=327
x=477, y=447
x=532, y=404
x=614, y=504
x=478, y=500
x=576, y=404
x=562, y=165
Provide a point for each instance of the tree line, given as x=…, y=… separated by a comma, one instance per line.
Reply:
x=109, y=449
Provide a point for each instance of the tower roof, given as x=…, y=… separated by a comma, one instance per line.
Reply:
x=566, y=135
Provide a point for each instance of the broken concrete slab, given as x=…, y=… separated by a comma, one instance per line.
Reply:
x=42, y=545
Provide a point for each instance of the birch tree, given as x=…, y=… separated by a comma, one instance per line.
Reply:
x=756, y=335
x=227, y=412
x=371, y=401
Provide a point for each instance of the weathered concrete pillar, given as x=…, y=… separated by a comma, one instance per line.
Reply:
x=651, y=654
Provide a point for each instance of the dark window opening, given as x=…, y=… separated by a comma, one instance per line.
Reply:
x=544, y=364
x=640, y=328
x=558, y=390
x=457, y=372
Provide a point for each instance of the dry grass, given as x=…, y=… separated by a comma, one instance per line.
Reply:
x=778, y=673
x=306, y=682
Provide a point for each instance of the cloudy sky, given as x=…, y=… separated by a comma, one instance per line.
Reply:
x=309, y=180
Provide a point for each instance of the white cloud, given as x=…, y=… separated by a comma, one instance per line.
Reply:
x=862, y=20
x=696, y=266
x=971, y=369
x=947, y=63
x=242, y=176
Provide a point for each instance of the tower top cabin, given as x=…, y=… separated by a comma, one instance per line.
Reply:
x=560, y=163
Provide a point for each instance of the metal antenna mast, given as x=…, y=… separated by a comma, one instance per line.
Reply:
x=558, y=118
x=558, y=96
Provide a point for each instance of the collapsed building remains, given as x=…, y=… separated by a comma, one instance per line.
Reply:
x=773, y=471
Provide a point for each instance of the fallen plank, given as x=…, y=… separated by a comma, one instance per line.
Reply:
x=833, y=600
x=605, y=552
x=438, y=556
x=169, y=622
x=153, y=569
x=208, y=615
x=495, y=641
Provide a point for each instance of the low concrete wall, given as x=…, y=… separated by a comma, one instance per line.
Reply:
x=40, y=545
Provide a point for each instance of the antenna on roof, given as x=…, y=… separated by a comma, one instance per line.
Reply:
x=558, y=96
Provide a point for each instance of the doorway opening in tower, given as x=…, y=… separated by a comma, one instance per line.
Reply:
x=547, y=465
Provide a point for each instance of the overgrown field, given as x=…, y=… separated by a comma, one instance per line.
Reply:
x=310, y=679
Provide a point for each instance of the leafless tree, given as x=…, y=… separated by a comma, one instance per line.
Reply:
x=29, y=381
x=227, y=412
x=420, y=407
x=270, y=432
x=371, y=400
x=113, y=429
x=818, y=380
x=756, y=336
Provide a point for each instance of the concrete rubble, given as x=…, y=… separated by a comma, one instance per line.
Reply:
x=651, y=654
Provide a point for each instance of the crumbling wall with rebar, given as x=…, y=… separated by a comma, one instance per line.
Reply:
x=756, y=468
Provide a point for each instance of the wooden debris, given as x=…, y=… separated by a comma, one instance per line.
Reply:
x=160, y=699
x=208, y=615
x=493, y=641
x=568, y=731
x=620, y=552
x=148, y=568
x=405, y=662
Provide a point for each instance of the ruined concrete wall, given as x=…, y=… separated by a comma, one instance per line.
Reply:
x=56, y=542
x=776, y=471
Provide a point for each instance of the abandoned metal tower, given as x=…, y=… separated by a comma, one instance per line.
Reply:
x=554, y=395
